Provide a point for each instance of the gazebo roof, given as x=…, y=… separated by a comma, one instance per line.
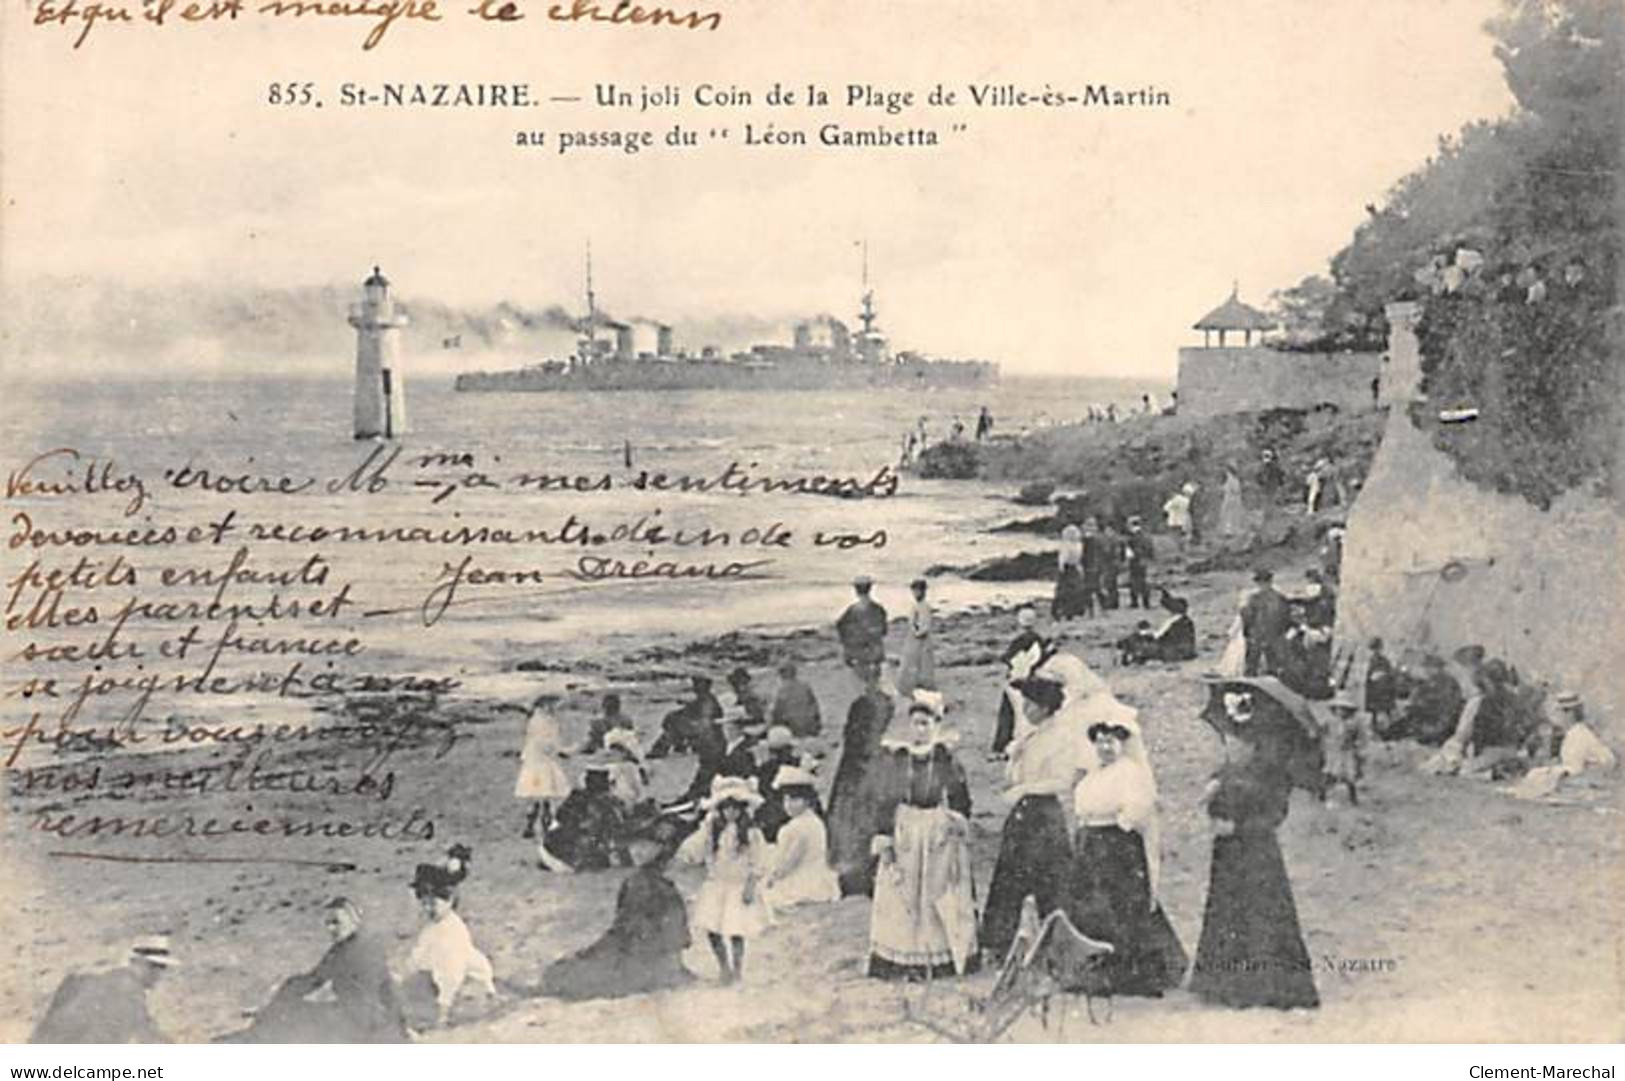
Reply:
x=1234, y=315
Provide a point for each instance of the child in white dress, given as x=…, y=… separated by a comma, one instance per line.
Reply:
x=542, y=779
x=730, y=907
x=800, y=872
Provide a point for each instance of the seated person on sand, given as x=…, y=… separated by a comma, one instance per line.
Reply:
x=745, y=696
x=689, y=727
x=589, y=828
x=643, y=949
x=1579, y=751
x=108, y=1006
x=1430, y=712
x=799, y=871
x=628, y=780
x=443, y=960
x=364, y=1007
x=731, y=754
x=1175, y=640
x=780, y=754
x=795, y=706
x=610, y=720
x=1137, y=647
x=1495, y=722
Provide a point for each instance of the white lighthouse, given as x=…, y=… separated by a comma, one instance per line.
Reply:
x=380, y=390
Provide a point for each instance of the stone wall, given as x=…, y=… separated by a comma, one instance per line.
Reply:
x=1239, y=379
x=1432, y=561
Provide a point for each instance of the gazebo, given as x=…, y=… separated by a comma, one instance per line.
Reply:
x=1233, y=315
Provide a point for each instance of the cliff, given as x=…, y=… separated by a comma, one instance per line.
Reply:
x=1433, y=561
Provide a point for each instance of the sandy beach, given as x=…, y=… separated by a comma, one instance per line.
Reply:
x=1438, y=909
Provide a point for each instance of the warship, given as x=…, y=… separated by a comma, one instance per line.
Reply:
x=825, y=354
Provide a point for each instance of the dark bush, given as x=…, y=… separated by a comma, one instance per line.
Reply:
x=949, y=461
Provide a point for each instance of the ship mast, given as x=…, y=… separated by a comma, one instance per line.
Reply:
x=590, y=349
x=867, y=315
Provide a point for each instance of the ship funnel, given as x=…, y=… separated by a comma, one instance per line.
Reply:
x=624, y=348
x=663, y=341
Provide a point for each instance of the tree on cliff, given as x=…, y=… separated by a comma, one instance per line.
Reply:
x=1510, y=232
x=1528, y=328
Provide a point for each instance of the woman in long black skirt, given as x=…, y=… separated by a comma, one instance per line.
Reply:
x=1112, y=895
x=1047, y=756
x=1251, y=952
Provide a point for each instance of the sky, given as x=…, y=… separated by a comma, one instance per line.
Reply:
x=1078, y=241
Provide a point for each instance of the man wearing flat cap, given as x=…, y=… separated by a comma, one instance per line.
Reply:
x=108, y=1006
x=1264, y=622
x=862, y=628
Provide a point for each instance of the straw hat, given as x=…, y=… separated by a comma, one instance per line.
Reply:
x=780, y=736
x=792, y=776
x=930, y=702
x=623, y=739
x=738, y=789
x=154, y=950
x=1343, y=700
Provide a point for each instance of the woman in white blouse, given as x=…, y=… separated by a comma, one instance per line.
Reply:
x=1047, y=756
x=1113, y=889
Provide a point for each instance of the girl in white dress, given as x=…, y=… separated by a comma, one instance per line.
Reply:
x=730, y=907
x=444, y=951
x=542, y=779
x=800, y=871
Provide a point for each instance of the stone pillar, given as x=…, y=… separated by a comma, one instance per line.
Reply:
x=1402, y=366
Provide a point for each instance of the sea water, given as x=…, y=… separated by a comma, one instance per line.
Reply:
x=300, y=428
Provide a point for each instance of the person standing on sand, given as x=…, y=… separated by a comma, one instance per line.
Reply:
x=1035, y=849
x=1111, y=560
x=729, y=907
x=1138, y=551
x=1232, y=512
x=984, y=424
x=853, y=795
x=1178, y=512
x=923, y=920
x=542, y=780
x=1112, y=889
x=1071, y=595
x=862, y=627
x=1381, y=689
x=1092, y=547
x=1026, y=638
x=1251, y=951
x=109, y=1006
x=918, y=667
x=1265, y=618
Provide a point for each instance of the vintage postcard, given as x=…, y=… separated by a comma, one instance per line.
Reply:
x=538, y=521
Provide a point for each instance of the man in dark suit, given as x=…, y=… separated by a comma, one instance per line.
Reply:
x=1264, y=621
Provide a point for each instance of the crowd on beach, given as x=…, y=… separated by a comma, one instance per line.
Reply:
x=1074, y=887
x=1074, y=890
